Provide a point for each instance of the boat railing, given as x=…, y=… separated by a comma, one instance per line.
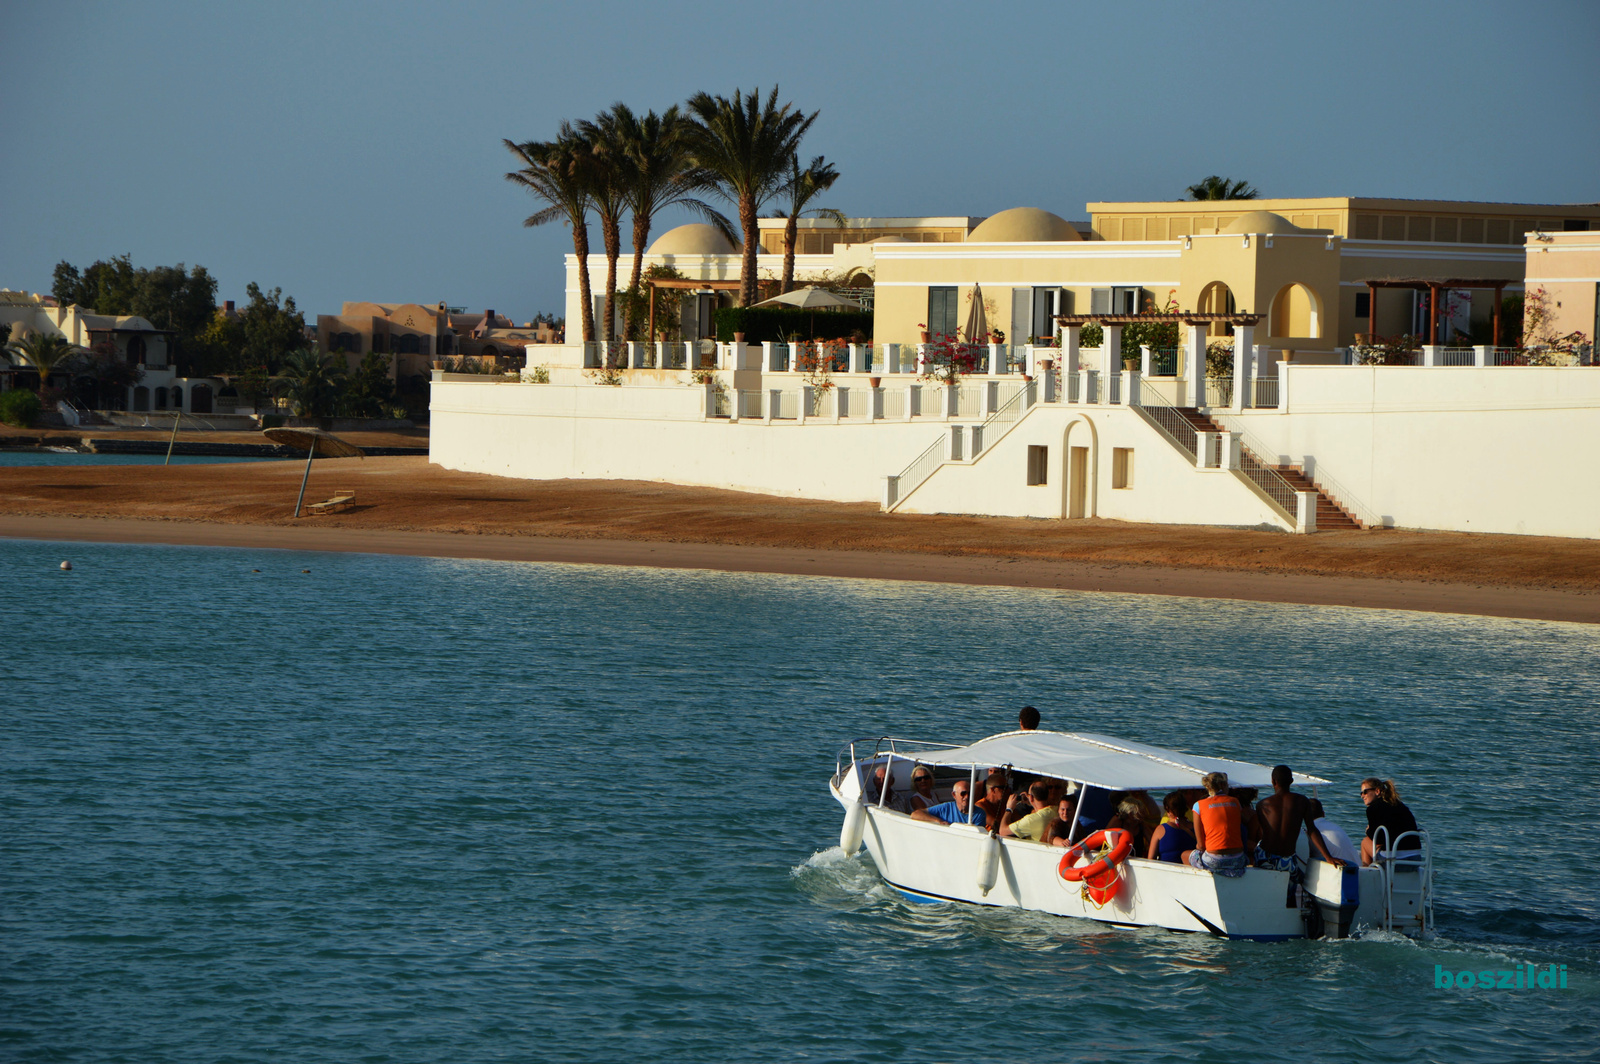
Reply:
x=883, y=745
x=1394, y=857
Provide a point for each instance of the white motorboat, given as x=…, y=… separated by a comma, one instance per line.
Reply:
x=935, y=862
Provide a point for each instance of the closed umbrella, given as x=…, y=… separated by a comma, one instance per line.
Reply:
x=313, y=442
x=977, y=321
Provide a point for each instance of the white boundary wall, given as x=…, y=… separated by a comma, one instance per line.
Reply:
x=1494, y=449
x=659, y=433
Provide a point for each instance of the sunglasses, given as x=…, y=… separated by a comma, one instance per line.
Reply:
x=1369, y=790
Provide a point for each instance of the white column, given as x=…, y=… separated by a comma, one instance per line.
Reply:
x=1111, y=351
x=922, y=359
x=891, y=491
x=1085, y=383
x=997, y=358
x=1130, y=384
x=1305, y=516
x=1069, y=348
x=1204, y=445
x=1144, y=359
x=1480, y=355
x=991, y=397
x=807, y=396
x=912, y=397
x=1243, y=348
x=1430, y=355
x=1232, y=450
x=953, y=451
x=875, y=404
x=891, y=358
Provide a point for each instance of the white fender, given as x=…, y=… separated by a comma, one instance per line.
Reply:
x=988, y=864
x=855, y=819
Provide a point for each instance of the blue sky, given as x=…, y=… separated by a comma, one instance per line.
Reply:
x=350, y=151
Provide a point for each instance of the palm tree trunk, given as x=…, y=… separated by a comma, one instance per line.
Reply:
x=747, y=268
x=580, y=247
x=611, y=234
x=791, y=233
x=641, y=234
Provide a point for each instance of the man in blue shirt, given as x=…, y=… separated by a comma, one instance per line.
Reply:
x=952, y=812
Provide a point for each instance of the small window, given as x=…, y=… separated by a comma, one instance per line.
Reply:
x=1038, y=465
x=1363, y=304
x=1122, y=467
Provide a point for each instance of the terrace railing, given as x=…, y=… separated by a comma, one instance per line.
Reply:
x=785, y=405
x=1457, y=356
x=1266, y=393
x=894, y=403
x=749, y=404
x=1171, y=423
x=1163, y=362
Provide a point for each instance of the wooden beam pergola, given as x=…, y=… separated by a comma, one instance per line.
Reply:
x=1184, y=317
x=1432, y=286
x=686, y=285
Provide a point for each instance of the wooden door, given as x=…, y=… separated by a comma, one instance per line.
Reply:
x=1078, y=483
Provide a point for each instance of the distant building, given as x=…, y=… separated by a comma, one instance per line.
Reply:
x=415, y=335
x=1567, y=266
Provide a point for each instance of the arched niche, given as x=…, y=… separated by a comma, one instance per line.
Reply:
x=1296, y=311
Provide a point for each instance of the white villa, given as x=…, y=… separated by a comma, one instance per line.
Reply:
x=1289, y=429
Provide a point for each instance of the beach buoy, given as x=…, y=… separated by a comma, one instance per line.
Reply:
x=305, y=570
x=989, y=864
x=66, y=567
x=855, y=819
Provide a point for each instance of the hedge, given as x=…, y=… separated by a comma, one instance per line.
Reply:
x=19, y=407
x=763, y=324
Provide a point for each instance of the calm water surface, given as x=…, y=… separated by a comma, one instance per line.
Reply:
x=401, y=809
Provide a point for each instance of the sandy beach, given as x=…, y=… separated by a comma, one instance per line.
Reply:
x=406, y=506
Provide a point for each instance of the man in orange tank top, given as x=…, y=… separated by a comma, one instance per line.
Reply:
x=1219, y=843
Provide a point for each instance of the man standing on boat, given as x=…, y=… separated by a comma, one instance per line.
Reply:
x=1219, y=844
x=1028, y=719
x=1281, y=815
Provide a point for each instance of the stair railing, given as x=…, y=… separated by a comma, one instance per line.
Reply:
x=1334, y=491
x=1179, y=430
x=920, y=469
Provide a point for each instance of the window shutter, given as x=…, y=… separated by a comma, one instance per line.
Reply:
x=1100, y=301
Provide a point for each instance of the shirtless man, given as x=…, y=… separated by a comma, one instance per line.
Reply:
x=1279, y=817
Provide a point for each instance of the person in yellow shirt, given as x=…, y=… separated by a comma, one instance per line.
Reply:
x=1029, y=826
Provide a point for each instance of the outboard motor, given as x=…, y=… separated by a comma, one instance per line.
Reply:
x=1338, y=919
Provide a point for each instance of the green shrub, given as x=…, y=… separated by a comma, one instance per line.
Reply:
x=19, y=407
x=764, y=324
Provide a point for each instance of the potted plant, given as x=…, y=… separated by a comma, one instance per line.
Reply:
x=874, y=381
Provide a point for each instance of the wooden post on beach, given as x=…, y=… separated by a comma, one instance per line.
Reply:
x=307, y=476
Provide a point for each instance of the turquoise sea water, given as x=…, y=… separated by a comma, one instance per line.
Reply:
x=400, y=809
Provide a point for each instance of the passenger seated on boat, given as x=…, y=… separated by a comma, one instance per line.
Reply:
x=1172, y=837
x=1280, y=815
x=1340, y=849
x=1130, y=818
x=900, y=803
x=1385, y=810
x=993, y=803
x=922, y=795
x=1030, y=814
x=1219, y=843
x=953, y=811
x=1060, y=829
x=1150, y=811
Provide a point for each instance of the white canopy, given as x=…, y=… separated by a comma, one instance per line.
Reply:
x=1101, y=761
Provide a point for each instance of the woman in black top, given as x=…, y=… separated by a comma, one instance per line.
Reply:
x=1386, y=810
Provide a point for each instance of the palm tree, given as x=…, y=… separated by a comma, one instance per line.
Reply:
x=45, y=352
x=559, y=173
x=748, y=146
x=607, y=182
x=658, y=171
x=1220, y=188
x=803, y=186
x=312, y=381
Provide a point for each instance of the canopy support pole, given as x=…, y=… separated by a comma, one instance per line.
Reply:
x=309, y=456
x=177, y=416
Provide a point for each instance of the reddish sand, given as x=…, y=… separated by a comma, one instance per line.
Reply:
x=404, y=505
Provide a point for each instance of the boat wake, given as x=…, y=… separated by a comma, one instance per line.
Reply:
x=833, y=878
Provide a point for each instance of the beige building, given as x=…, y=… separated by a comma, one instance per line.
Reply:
x=1322, y=272
x=415, y=335
x=1567, y=266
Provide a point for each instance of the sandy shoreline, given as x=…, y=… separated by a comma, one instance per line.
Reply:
x=407, y=506
x=1000, y=572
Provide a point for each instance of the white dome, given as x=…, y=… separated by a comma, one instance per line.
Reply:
x=696, y=238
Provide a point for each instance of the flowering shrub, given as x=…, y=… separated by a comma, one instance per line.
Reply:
x=946, y=360
x=1396, y=351
x=1541, y=345
x=818, y=365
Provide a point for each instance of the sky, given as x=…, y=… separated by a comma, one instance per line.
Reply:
x=353, y=151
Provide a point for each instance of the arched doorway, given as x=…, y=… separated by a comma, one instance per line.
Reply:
x=200, y=399
x=1080, y=460
x=1217, y=298
x=141, y=399
x=160, y=398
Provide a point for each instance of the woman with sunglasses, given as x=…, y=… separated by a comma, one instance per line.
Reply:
x=1385, y=810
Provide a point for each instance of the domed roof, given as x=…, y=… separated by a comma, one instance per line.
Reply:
x=1261, y=222
x=696, y=238
x=1024, y=225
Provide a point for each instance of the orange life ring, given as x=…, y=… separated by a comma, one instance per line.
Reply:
x=1120, y=844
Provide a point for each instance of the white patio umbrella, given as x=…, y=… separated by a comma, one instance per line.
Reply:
x=312, y=441
x=808, y=298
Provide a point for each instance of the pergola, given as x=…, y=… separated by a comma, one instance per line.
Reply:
x=1432, y=288
x=1184, y=317
x=692, y=286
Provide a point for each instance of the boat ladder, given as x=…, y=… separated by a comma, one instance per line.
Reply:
x=1406, y=867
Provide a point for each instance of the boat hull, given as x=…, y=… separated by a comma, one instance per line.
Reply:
x=936, y=862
